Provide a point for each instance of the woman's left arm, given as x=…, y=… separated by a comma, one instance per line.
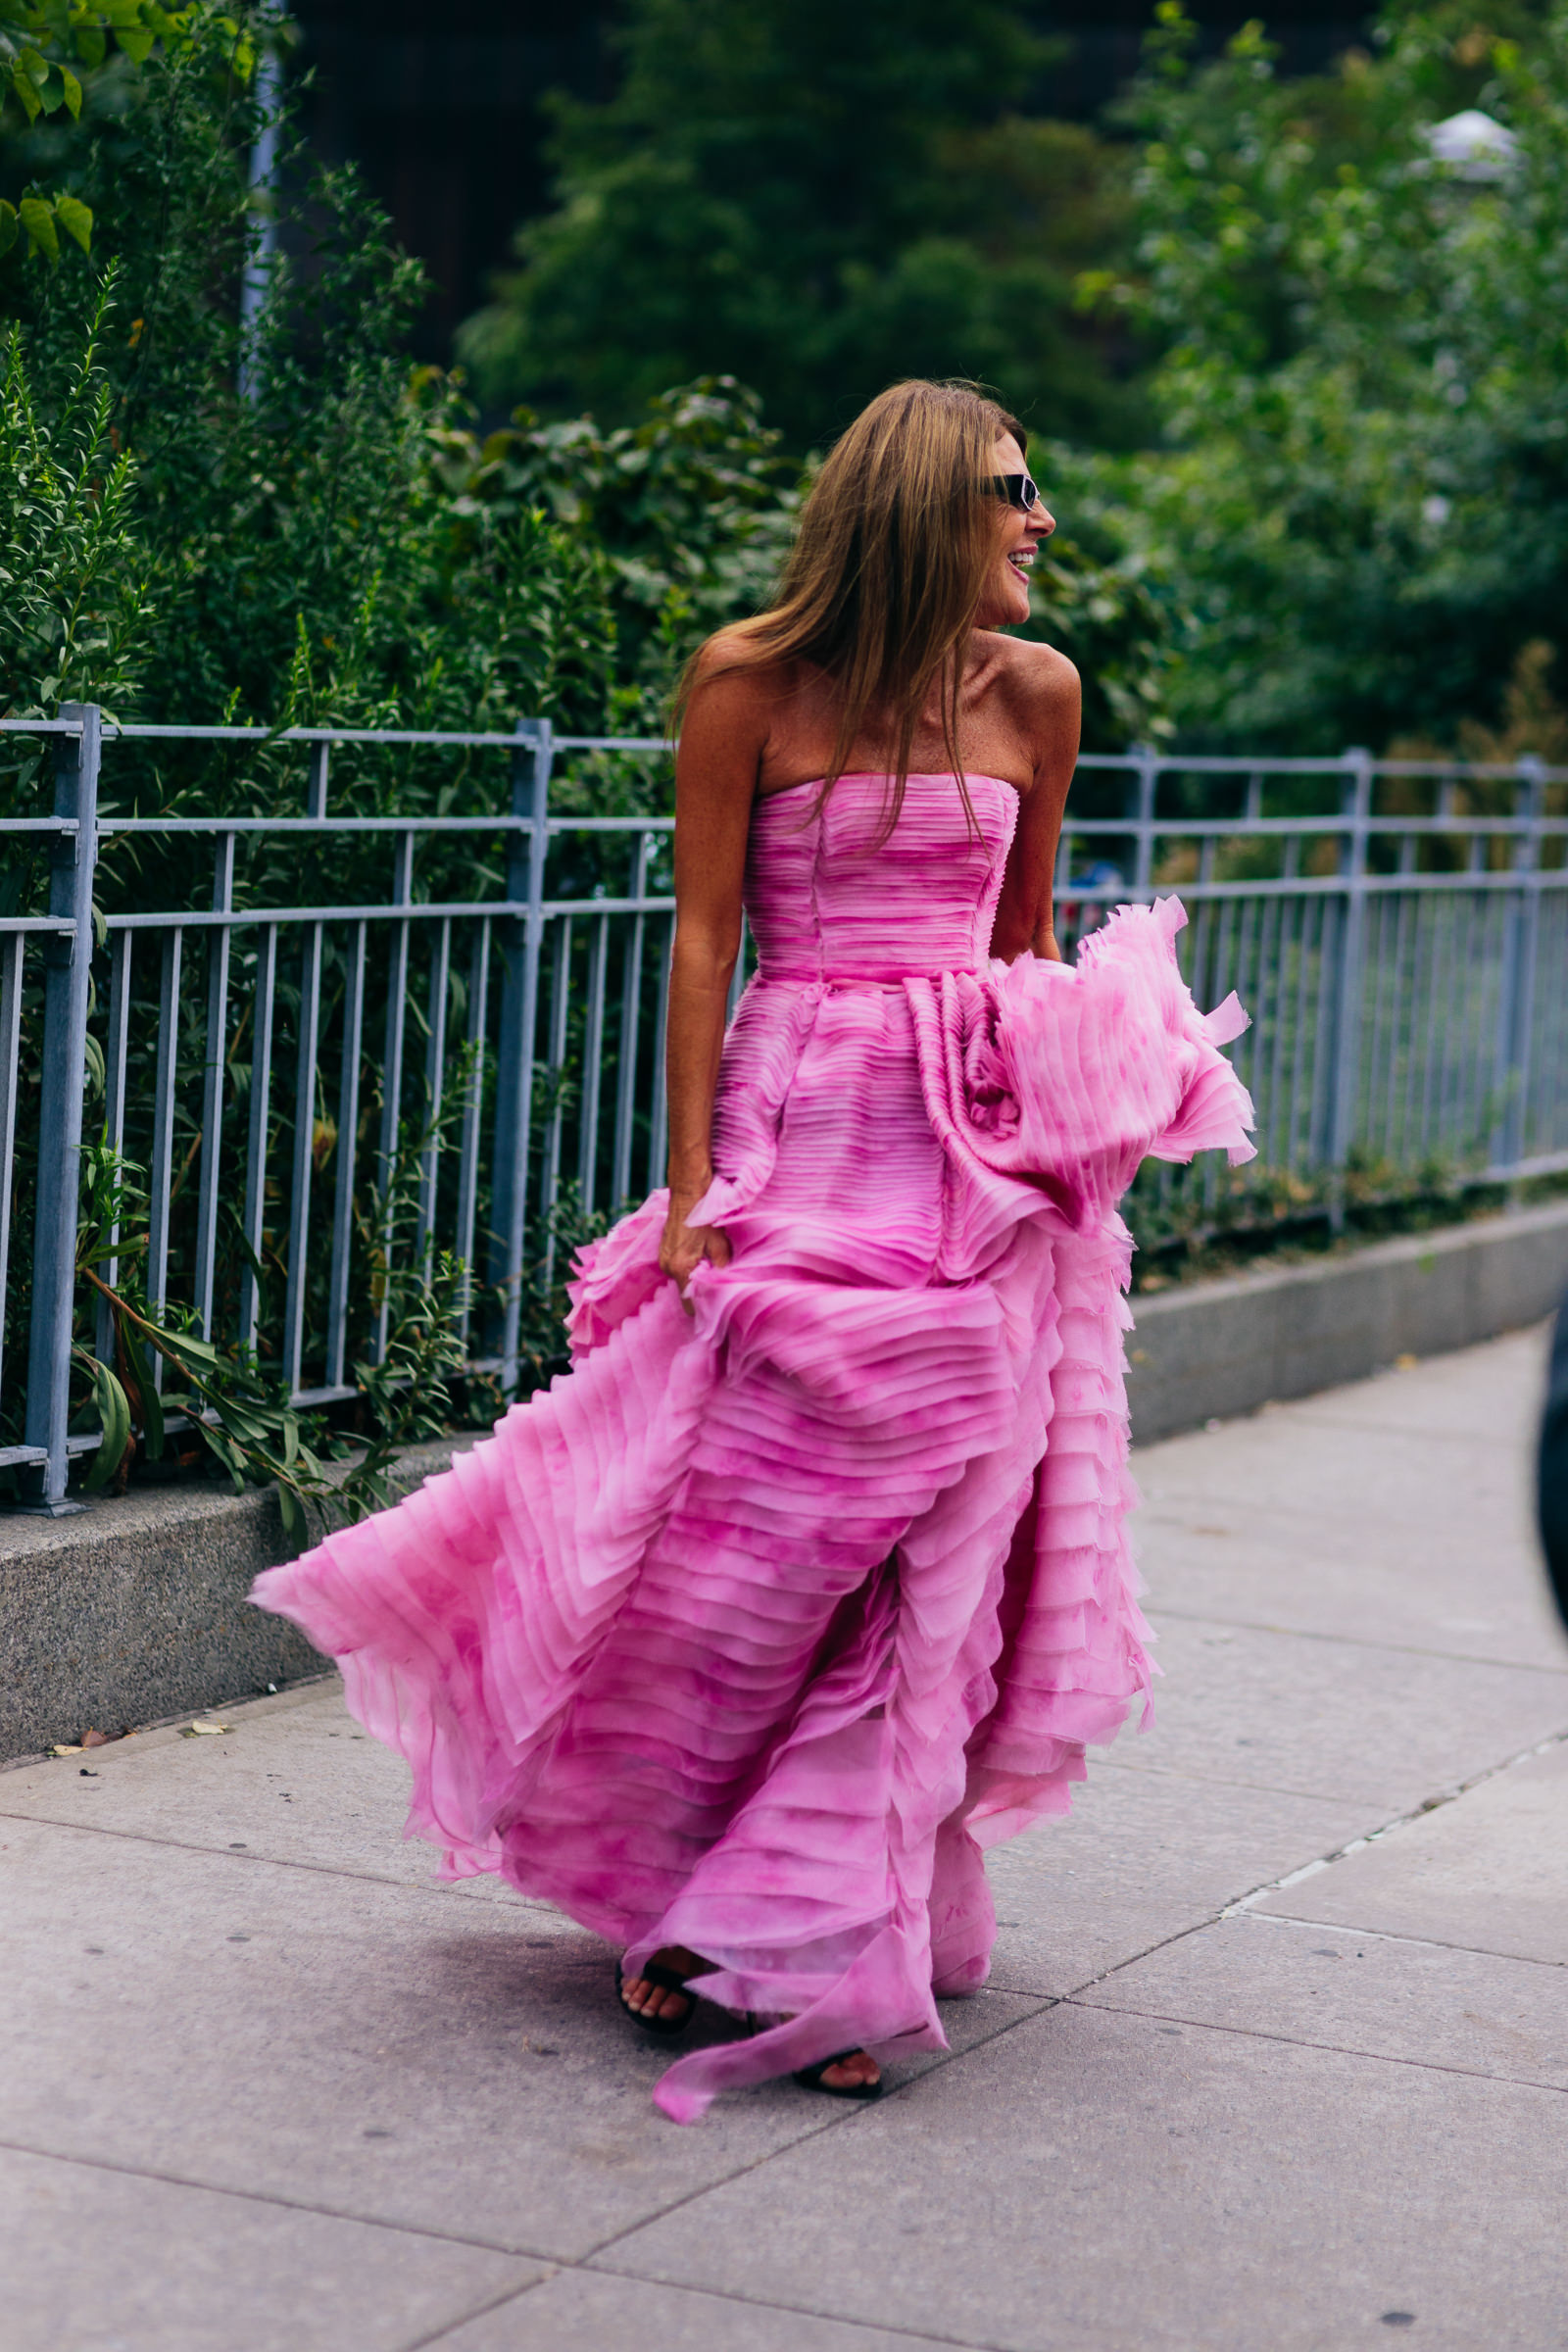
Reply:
x=1050, y=703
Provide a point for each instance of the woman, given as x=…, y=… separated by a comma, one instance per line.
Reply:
x=809, y=1581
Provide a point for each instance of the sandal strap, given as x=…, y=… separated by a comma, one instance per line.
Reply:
x=820, y=2066
x=652, y=1972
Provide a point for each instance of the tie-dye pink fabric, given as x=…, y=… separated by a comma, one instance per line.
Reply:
x=754, y=1631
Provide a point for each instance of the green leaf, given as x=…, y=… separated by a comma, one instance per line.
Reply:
x=152, y=1419
x=135, y=40
x=22, y=83
x=191, y=1351
x=252, y=1425
x=8, y=225
x=296, y=1526
x=221, y=1450
x=76, y=219
x=92, y=47
x=114, y=1412
x=71, y=91
x=40, y=222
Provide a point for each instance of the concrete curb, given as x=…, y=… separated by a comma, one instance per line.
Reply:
x=1222, y=1348
x=135, y=1610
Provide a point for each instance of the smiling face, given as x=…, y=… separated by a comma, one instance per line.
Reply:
x=1004, y=599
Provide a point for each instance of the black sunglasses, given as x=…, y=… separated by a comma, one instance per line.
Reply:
x=1016, y=489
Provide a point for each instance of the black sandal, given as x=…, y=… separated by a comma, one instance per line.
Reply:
x=666, y=1980
x=809, y=2078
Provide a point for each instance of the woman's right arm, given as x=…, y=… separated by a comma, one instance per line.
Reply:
x=715, y=778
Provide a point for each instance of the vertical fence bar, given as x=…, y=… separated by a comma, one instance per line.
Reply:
x=560, y=1011
x=11, y=947
x=591, y=1060
x=658, y=1132
x=213, y=1084
x=1298, y=1092
x=631, y=991
x=317, y=784
x=1061, y=884
x=472, y=1113
x=1144, y=786
x=1345, y=1066
x=737, y=978
x=1374, y=1025
x=348, y=1138
x=397, y=999
x=1520, y=957
x=115, y=1052
x=306, y=1035
x=256, y=1141
x=519, y=1012
x=435, y=1047
x=67, y=963
x=166, y=1087
x=1430, y=1079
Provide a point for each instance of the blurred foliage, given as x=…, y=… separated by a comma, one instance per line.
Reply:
x=57, y=62
x=1362, y=507
x=821, y=200
x=210, y=521
x=1193, y=1230
x=689, y=512
x=73, y=587
x=1532, y=719
x=162, y=1394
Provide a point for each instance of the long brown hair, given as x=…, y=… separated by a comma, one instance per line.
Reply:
x=885, y=577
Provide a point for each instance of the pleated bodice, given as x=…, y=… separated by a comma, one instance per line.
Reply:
x=828, y=900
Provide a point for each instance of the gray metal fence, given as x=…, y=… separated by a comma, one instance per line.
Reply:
x=274, y=1013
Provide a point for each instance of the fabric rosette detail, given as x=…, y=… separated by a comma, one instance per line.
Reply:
x=1062, y=1078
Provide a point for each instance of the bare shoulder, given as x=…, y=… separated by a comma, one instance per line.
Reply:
x=1039, y=679
x=728, y=664
x=731, y=701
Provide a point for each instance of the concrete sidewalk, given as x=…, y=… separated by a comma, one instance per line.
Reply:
x=1274, y=2054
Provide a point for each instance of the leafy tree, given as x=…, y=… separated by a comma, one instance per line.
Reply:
x=1363, y=503
x=335, y=542
x=73, y=590
x=817, y=200
x=332, y=542
x=46, y=54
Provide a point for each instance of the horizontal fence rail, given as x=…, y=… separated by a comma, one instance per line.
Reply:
x=329, y=1032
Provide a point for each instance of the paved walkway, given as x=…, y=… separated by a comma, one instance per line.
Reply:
x=1274, y=2056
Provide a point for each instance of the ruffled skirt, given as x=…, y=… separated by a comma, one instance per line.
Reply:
x=753, y=1631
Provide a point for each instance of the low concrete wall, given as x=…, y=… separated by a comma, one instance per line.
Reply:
x=135, y=1610
x=1220, y=1347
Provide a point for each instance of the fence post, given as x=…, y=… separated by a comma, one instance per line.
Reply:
x=67, y=962
x=526, y=857
x=1344, y=1067
x=1142, y=796
x=1519, y=971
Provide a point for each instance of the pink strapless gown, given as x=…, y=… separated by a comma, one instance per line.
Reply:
x=756, y=1628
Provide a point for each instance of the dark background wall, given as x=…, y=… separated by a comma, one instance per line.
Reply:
x=443, y=115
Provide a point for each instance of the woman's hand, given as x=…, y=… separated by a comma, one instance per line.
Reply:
x=684, y=1245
